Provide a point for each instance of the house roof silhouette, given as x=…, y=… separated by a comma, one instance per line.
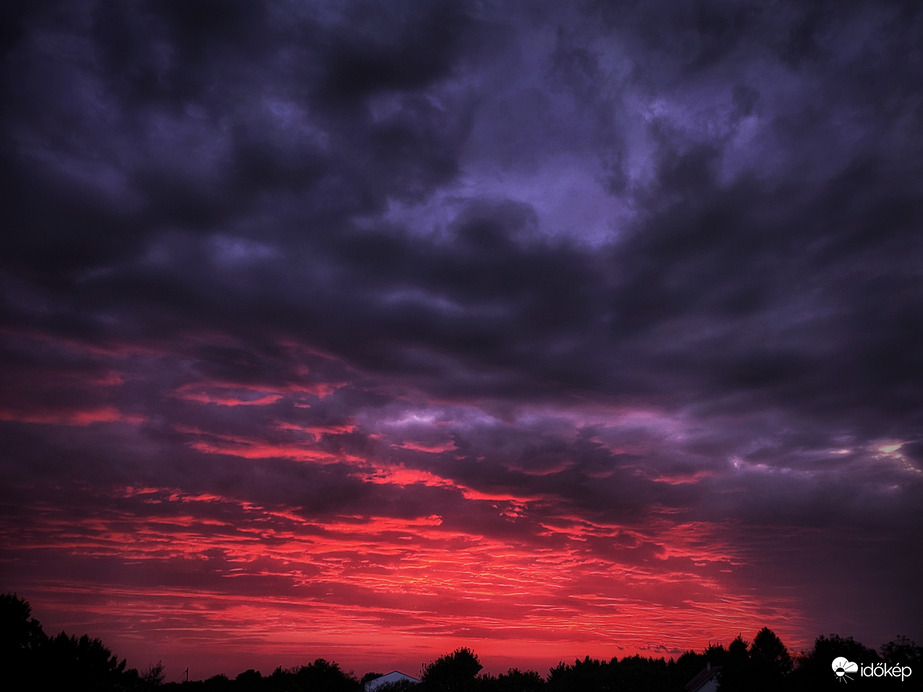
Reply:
x=702, y=680
x=395, y=676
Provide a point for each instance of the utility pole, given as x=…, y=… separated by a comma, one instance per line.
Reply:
x=187, y=673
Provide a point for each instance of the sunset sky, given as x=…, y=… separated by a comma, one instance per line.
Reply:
x=369, y=330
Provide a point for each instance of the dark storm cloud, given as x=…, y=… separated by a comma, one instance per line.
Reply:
x=404, y=47
x=500, y=264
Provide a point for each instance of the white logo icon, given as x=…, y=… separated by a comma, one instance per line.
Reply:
x=842, y=666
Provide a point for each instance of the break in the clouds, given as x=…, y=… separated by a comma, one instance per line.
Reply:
x=367, y=330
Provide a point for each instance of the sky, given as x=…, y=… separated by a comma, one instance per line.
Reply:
x=369, y=330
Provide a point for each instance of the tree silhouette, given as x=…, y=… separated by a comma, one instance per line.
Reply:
x=768, y=648
x=22, y=641
x=82, y=664
x=903, y=651
x=588, y=674
x=154, y=675
x=639, y=673
x=770, y=662
x=515, y=680
x=453, y=672
x=814, y=668
x=32, y=660
x=249, y=680
x=368, y=677
x=324, y=676
x=735, y=675
x=687, y=666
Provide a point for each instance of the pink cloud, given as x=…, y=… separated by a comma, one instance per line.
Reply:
x=79, y=417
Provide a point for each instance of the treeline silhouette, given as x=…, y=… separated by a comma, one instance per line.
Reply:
x=31, y=659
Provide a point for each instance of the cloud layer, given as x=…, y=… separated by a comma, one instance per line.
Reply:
x=553, y=331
